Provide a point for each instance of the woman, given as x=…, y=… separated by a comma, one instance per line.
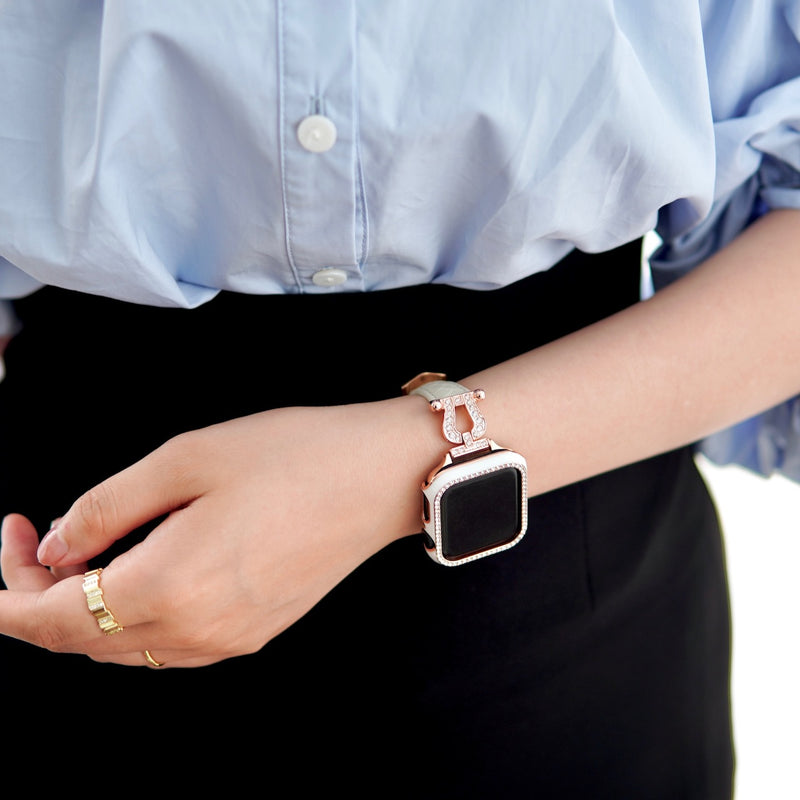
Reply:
x=345, y=196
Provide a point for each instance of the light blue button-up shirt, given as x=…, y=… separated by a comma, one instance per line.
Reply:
x=160, y=152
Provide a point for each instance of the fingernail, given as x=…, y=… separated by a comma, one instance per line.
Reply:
x=52, y=548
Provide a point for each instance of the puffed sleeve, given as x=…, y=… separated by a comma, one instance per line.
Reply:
x=753, y=58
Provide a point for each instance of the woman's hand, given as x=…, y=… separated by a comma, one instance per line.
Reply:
x=265, y=514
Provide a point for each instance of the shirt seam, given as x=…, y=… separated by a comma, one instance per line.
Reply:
x=361, y=199
x=287, y=217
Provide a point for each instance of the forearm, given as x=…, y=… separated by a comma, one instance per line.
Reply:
x=720, y=344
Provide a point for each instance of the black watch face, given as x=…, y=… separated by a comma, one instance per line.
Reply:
x=481, y=512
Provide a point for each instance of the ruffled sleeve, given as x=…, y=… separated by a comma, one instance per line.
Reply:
x=767, y=443
x=753, y=57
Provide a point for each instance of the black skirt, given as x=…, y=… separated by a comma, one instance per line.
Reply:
x=591, y=661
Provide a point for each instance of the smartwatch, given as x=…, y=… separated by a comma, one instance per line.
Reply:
x=475, y=502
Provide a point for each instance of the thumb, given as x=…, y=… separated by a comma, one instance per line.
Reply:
x=157, y=484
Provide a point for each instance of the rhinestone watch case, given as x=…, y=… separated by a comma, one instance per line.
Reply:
x=475, y=500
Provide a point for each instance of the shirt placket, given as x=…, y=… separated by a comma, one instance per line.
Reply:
x=318, y=125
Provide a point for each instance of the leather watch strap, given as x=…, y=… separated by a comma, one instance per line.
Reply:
x=437, y=390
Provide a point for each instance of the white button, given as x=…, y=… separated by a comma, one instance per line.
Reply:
x=329, y=277
x=316, y=133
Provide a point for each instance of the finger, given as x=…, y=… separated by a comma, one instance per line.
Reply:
x=165, y=659
x=56, y=614
x=61, y=619
x=162, y=481
x=20, y=567
x=55, y=619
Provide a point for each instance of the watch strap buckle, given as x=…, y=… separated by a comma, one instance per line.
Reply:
x=467, y=442
x=448, y=396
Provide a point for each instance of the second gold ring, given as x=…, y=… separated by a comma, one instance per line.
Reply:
x=151, y=661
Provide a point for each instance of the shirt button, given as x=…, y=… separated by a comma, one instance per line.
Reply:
x=316, y=133
x=329, y=277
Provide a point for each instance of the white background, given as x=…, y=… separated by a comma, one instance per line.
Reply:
x=761, y=524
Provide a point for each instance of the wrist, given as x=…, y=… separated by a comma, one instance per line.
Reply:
x=400, y=439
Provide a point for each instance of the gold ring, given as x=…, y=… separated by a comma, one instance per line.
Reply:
x=151, y=661
x=94, y=598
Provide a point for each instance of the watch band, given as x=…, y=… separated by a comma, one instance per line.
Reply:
x=438, y=389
